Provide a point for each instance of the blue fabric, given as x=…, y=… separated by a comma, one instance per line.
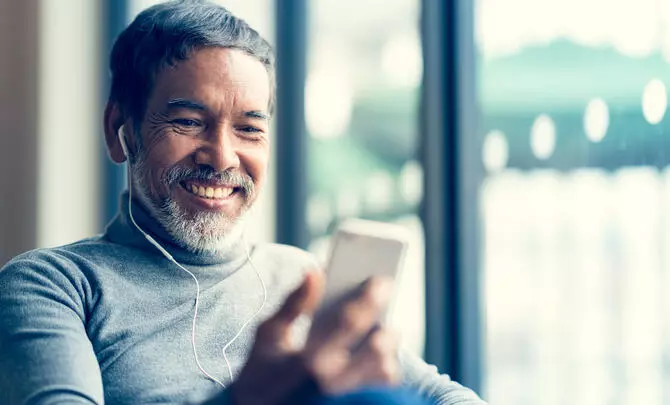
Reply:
x=374, y=396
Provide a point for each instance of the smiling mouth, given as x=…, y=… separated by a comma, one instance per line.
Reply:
x=210, y=191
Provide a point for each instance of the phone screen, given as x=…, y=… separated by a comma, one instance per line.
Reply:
x=357, y=257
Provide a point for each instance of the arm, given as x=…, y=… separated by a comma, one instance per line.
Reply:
x=45, y=354
x=437, y=387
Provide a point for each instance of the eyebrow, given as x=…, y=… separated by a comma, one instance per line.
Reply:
x=184, y=103
x=192, y=105
x=257, y=115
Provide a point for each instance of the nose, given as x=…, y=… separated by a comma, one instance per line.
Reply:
x=219, y=151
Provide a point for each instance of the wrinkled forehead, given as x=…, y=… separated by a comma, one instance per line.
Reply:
x=219, y=78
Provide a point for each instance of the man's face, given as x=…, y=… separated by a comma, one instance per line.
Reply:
x=204, y=145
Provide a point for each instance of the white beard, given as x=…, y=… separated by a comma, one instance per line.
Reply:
x=204, y=232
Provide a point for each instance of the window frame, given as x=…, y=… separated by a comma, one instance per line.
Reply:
x=291, y=131
x=113, y=175
x=451, y=145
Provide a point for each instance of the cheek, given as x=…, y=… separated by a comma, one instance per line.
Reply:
x=163, y=155
x=170, y=151
x=255, y=162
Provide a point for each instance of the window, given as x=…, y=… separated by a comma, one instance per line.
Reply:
x=574, y=207
x=361, y=104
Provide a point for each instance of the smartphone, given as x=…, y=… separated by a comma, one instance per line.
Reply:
x=361, y=249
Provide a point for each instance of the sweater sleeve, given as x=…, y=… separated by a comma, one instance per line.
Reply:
x=45, y=354
x=439, y=388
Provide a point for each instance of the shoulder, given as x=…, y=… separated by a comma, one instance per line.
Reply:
x=62, y=273
x=36, y=262
x=66, y=258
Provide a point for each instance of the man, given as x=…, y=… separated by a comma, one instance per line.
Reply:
x=170, y=305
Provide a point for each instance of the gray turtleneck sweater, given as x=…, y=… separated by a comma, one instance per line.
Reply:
x=108, y=320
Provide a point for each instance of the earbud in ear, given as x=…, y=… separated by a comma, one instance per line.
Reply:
x=122, y=141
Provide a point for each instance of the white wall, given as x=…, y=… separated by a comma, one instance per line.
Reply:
x=70, y=128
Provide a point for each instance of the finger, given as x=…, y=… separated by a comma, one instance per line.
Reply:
x=381, y=343
x=303, y=300
x=375, y=363
x=348, y=322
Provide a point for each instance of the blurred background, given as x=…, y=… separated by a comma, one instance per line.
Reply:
x=522, y=142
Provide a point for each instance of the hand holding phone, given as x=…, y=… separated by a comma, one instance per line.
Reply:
x=346, y=349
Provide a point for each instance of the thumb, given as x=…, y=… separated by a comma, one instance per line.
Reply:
x=303, y=300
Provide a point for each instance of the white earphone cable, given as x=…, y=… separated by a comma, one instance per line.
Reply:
x=260, y=309
x=197, y=283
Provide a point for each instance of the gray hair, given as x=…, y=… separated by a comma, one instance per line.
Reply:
x=169, y=32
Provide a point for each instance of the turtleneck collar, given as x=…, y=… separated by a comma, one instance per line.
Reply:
x=122, y=231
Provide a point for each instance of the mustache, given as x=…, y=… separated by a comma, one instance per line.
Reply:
x=178, y=174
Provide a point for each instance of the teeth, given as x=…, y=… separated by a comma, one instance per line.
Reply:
x=210, y=192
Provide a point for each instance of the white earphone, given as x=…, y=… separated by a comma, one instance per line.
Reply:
x=122, y=141
x=124, y=147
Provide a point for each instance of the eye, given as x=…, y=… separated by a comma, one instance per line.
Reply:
x=250, y=129
x=251, y=133
x=185, y=122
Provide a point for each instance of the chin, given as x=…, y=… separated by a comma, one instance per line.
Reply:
x=198, y=232
x=202, y=231
x=211, y=238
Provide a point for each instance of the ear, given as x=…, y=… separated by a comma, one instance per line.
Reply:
x=113, y=120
